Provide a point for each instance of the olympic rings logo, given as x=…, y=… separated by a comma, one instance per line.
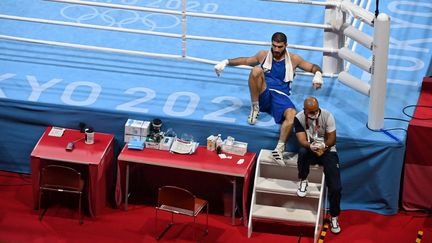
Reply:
x=119, y=18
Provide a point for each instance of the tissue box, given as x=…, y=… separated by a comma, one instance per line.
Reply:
x=237, y=148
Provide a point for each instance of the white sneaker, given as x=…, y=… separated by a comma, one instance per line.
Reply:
x=278, y=157
x=253, y=116
x=334, y=223
x=302, y=190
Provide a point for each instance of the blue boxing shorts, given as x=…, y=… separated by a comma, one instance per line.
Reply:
x=275, y=103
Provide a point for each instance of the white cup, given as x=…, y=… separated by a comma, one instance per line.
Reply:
x=89, y=136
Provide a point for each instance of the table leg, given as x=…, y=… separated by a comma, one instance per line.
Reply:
x=233, y=211
x=127, y=186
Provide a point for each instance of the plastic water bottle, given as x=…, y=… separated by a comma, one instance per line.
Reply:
x=219, y=143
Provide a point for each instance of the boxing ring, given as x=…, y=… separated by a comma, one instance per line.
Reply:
x=101, y=62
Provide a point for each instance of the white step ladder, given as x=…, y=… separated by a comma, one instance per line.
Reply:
x=275, y=197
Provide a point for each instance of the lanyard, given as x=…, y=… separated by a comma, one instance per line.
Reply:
x=316, y=128
x=316, y=123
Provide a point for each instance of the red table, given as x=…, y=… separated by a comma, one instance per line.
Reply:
x=98, y=156
x=202, y=160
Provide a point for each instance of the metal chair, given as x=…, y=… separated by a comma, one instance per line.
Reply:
x=177, y=200
x=62, y=179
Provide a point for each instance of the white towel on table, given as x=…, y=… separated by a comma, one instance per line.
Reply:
x=289, y=72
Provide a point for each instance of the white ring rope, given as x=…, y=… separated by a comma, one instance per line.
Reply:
x=90, y=26
x=193, y=14
x=330, y=4
x=129, y=52
x=137, y=31
x=92, y=48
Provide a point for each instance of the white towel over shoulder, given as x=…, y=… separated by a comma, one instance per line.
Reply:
x=289, y=72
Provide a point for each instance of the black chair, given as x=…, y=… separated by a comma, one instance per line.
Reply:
x=177, y=200
x=61, y=179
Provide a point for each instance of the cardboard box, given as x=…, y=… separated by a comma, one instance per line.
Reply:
x=211, y=143
x=133, y=127
x=145, y=128
x=150, y=143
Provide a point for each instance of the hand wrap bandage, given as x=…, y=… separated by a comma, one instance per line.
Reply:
x=220, y=67
x=317, y=79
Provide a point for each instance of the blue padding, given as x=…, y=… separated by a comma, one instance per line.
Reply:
x=43, y=85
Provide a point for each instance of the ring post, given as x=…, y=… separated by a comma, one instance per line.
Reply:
x=333, y=39
x=378, y=89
